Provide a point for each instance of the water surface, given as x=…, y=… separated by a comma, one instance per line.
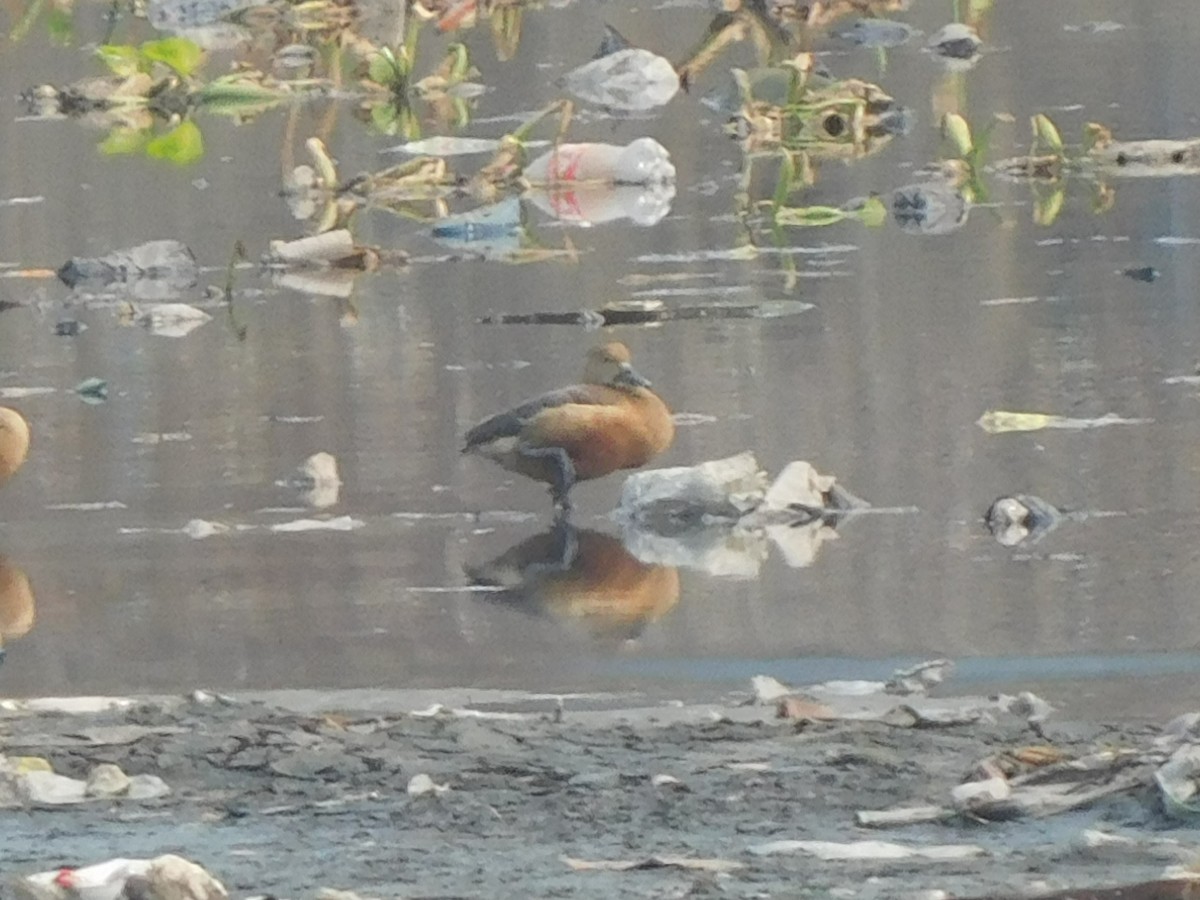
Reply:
x=880, y=383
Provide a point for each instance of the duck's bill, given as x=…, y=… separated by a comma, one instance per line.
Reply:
x=629, y=376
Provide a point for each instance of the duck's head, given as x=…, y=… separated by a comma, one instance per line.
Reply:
x=609, y=364
x=14, y=441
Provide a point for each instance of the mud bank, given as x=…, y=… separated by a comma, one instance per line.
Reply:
x=322, y=794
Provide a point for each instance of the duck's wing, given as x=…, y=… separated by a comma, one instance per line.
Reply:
x=509, y=423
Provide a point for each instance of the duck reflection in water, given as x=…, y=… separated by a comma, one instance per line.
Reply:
x=16, y=604
x=14, y=442
x=583, y=576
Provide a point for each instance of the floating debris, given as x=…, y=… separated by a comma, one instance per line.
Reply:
x=317, y=481
x=877, y=33
x=1145, y=274
x=449, y=145
x=1001, y=422
x=641, y=162
x=930, y=208
x=957, y=43
x=624, y=78
x=158, y=270
x=173, y=320
x=1013, y=520
x=92, y=390
x=340, y=523
x=719, y=516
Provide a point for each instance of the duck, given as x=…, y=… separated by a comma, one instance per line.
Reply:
x=612, y=420
x=581, y=577
x=14, y=442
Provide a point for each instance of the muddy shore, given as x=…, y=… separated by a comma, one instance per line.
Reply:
x=307, y=791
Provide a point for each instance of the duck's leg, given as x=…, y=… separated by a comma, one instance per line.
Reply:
x=564, y=474
x=564, y=551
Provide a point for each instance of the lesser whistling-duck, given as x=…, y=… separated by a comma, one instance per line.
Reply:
x=611, y=421
x=583, y=576
x=14, y=442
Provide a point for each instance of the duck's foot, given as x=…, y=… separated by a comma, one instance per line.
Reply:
x=564, y=475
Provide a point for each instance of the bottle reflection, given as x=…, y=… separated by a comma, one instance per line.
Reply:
x=583, y=576
x=16, y=603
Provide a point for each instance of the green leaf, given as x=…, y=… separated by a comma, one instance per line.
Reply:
x=60, y=26
x=1047, y=133
x=122, y=59
x=872, y=213
x=787, y=176
x=182, y=145
x=460, y=63
x=121, y=141
x=958, y=133
x=384, y=118
x=238, y=96
x=179, y=53
x=381, y=68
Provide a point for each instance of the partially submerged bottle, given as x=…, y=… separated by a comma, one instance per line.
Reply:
x=643, y=162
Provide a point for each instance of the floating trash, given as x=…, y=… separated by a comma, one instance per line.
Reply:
x=930, y=208
x=1013, y=520
x=1000, y=421
x=317, y=481
x=641, y=162
x=957, y=43
x=173, y=320
x=623, y=77
x=92, y=390
x=877, y=33
x=158, y=270
x=1145, y=274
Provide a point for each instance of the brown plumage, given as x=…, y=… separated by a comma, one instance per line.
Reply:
x=582, y=576
x=14, y=442
x=611, y=421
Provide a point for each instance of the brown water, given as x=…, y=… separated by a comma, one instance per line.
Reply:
x=880, y=383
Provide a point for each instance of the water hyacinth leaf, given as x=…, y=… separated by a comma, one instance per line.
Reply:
x=787, y=175
x=182, y=145
x=1047, y=208
x=457, y=64
x=123, y=141
x=873, y=213
x=121, y=59
x=958, y=133
x=235, y=95
x=385, y=118
x=810, y=215
x=383, y=68
x=180, y=54
x=1047, y=133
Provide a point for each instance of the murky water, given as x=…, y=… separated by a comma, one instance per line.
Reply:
x=909, y=339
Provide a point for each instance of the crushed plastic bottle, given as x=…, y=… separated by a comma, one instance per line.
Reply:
x=642, y=162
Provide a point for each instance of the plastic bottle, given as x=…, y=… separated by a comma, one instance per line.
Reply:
x=643, y=162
